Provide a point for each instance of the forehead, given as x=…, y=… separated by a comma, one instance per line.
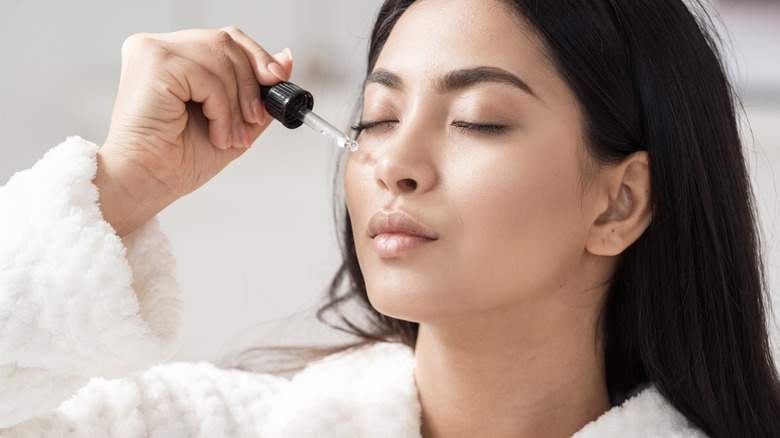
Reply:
x=435, y=36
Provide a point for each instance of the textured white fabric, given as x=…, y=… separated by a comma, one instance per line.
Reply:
x=646, y=415
x=71, y=305
x=78, y=306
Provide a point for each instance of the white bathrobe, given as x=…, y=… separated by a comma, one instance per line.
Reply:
x=86, y=316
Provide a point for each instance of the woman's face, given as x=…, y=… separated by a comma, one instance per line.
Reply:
x=465, y=195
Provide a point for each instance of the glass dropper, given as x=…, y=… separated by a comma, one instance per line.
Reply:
x=292, y=105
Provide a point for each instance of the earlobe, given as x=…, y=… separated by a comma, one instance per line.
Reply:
x=625, y=190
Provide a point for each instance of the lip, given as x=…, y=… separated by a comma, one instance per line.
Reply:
x=393, y=233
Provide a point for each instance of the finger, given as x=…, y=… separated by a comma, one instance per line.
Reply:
x=247, y=86
x=267, y=70
x=231, y=154
x=219, y=53
x=194, y=82
x=284, y=59
x=224, y=59
x=259, y=62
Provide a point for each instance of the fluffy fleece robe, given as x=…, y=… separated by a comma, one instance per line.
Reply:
x=79, y=306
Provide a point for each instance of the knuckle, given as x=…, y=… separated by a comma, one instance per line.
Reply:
x=160, y=55
x=250, y=86
x=133, y=41
x=144, y=49
x=232, y=30
x=223, y=62
x=223, y=38
x=259, y=52
x=161, y=88
x=149, y=51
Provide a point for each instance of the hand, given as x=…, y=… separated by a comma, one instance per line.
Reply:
x=188, y=104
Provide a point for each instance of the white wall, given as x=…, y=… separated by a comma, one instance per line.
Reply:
x=256, y=244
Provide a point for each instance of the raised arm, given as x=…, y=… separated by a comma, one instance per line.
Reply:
x=188, y=104
x=87, y=287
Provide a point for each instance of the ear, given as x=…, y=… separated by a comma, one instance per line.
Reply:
x=624, y=200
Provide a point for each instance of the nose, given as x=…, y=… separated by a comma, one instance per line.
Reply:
x=406, y=165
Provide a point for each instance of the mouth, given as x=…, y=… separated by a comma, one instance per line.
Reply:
x=395, y=233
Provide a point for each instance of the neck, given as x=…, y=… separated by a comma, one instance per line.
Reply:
x=505, y=375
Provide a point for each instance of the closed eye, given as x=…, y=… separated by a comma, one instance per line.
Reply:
x=482, y=128
x=361, y=126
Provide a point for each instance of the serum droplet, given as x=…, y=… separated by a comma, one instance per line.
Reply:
x=345, y=142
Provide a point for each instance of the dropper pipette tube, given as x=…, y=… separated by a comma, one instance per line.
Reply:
x=292, y=105
x=318, y=124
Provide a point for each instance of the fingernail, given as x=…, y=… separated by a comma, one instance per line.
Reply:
x=277, y=71
x=288, y=52
x=244, y=133
x=229, y=140
x=256, y=106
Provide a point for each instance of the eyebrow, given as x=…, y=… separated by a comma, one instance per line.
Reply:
x=386, y=78
x=454, y=80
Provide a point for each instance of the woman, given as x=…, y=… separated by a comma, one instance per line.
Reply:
x=549, y=206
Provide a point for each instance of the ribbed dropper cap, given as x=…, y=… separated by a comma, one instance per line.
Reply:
x=285, y=102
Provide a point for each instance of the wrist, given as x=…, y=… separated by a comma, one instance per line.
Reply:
x=129, y=195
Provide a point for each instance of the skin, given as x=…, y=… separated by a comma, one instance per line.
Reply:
x=185, y=109
x=508, y=295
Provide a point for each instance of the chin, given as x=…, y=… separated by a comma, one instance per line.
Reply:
x=390, y=302
x=414, y=301
x=399, y=300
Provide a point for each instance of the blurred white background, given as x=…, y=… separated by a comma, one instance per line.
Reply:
x=256, y=246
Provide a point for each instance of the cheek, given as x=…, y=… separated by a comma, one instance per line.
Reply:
x=521, y=221
x=350, y=177
x=357, y=180
x=359, y=191
x=511, y=227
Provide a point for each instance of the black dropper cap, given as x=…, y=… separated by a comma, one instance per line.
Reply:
x=287, y=103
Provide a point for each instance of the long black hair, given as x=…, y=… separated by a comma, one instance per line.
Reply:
x=686, y=310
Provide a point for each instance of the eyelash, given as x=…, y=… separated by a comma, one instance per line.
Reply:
x=474, y=127
x=481, y=128
x=367, y=126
